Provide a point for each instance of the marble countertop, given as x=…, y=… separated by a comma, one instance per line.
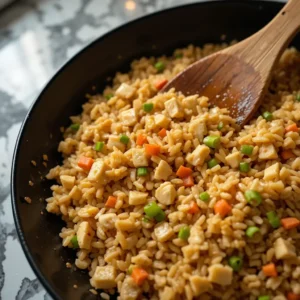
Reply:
x=36, y=38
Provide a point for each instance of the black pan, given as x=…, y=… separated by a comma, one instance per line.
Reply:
x=155, y=34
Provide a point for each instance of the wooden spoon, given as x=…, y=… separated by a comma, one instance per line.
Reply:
x=238, y=76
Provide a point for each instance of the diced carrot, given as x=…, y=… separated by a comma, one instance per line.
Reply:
x=194, y=208
x=162, y=133
x=152, y=149
x=222, y=208
x=111, y=202
x=292, y=296
x=141, y=140
x=188, y=181
x=286, y=154
x=270, y=270
x=292, y=127
x=85, y=163
x=139, y=275
x=289, y=223
x=160, y=84
x=184, y=172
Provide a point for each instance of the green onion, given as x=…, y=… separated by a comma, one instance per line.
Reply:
x=273, y=219
x=184, y=233
x=99, y=146
x=124, y=139
x=220, y=126
x=244, y=167
x=152, y=209
x=142, y=171
x=148, y=107
x=129, y=271
x=160, y=216
x=253, y=197
x=247, y=149
x=178, y=55
x=159, y=66
x=212, y=163
x=251, y=230
x=74, y=242
x=108, y=96
x=263, y=298
x=298, y=97
x=267, y=116
x=236, y=263
x=212, y=141
x=75, y=126
x=204, y=196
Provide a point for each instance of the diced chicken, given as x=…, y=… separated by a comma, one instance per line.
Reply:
x=126, y=225
x=198, y=156
x=199, y=285
x=162, y=171
x=104, y=277
x=166, y=193
x=129, y=290
x=137, y=105
x=85, y=234
x=198, y=128
x=128, y=117
x=88, y=211
x=220, y=274
x=114, y=141
x=161, y=120
x=139, y=157
x=272, y=173
x=267, y=152
x=173, y=109
x=190, y=102
x=284, y=249
x=167, y=294
x=75, y=193
x=97, y=171
x=107, y=221
x=234, y=159
x=125, y=91
x=163, y=232
x=137, y=198
x=67, y=181
x=191, y=252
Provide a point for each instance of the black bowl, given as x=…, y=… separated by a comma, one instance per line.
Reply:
x=155, y=34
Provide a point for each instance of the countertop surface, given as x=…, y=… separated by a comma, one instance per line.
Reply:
x=36, y=38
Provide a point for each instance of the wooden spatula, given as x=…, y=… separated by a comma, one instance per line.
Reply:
x=238, y=77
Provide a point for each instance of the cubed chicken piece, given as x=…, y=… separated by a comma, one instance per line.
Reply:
x=199, y=285
x=161, y=120
x=190, y=102
x=126, y=225
x=88, y=211
x=234, y=159
x=137, y=198
x=97, y=171
x=75, y=193
x=267, y=152
x=85, y=234
x=114, y=141
x=162, y=171
x=198, y=156
x=191, y=252
x=163, y=232
x=167, y=294
x=166, y=193
x=272, y=172
x=284, y=249
x=67, y=181
x=107, y=221
x=104, y=277
x=173, y=109
x=128, y=117
x=125, y=91
x=198, y=128
x=139, y=158
x=220, y=274
x=130, y=290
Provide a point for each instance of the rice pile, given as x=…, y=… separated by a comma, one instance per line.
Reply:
x=192, y=251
